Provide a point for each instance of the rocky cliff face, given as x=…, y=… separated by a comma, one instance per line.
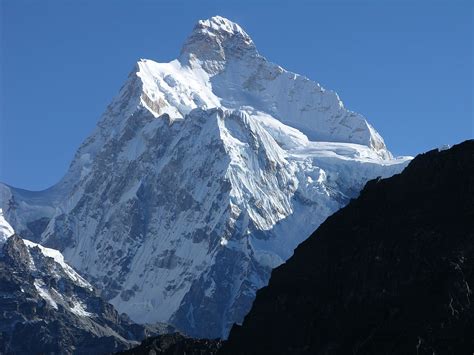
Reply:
x=46, y=307
x=202, y=175
x=391, y=273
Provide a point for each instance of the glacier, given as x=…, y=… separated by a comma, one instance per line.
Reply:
x=202, y=175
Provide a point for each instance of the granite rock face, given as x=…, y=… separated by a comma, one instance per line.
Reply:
x=391, y=273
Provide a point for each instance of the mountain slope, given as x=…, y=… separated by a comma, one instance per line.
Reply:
x=391, y=273
x=180, y=203
x=46, y=307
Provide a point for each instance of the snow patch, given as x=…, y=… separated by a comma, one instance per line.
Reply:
x=44, y=293
x=78, y=309
x=444, y=147
x=6, y=230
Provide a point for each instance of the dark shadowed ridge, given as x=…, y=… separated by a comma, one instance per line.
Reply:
x=175, y=344
x=391, y=273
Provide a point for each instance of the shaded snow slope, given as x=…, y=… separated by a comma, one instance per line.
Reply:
x=180, y=203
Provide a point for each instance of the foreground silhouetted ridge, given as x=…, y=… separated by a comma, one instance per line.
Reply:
x=175, y=344
x=391, y=273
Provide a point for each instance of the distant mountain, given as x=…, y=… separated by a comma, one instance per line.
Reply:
x=202, y=175
x=46, y=307
x=391, y=273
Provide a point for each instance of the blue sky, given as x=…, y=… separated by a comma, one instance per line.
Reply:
x=406, y=65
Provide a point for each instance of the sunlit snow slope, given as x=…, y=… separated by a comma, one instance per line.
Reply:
x=202, y=175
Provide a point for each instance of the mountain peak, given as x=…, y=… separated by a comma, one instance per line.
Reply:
x=217, y=39
x=221, y=24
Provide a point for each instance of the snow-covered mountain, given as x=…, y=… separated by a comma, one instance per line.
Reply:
x=202, y=175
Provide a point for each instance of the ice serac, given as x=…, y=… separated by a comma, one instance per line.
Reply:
x=202, y=175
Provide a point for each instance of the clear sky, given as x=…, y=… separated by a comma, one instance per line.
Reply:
x=406, y=65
